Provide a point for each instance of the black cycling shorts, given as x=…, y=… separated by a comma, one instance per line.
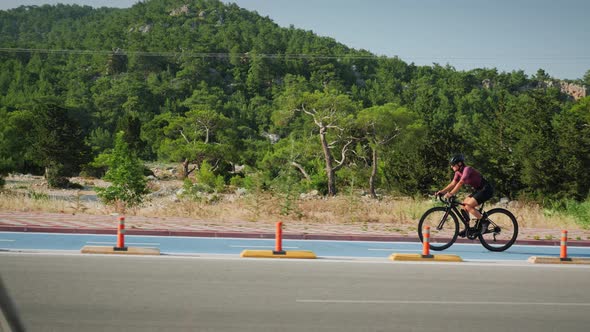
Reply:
x=483, y=194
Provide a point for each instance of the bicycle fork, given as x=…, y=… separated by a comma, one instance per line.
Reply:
x=443, y=220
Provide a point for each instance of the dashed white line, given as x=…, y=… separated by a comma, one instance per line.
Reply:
x=271, y=247
x=132, y=243
x=564, y=304
x=405, y=250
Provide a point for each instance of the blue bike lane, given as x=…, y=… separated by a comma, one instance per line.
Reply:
x=173, y=245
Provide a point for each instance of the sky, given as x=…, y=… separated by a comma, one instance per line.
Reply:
x=505, y=34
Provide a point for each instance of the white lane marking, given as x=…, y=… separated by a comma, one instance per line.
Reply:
x=272, y=247
x=407, y=250
x=134, y=243
x=565, y=304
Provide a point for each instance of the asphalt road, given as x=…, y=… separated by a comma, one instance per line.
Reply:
x=158, y=293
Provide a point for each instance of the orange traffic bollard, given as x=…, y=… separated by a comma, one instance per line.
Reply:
x=426, y=243
x=563, y=253
x=121, y=235
x=279, y=240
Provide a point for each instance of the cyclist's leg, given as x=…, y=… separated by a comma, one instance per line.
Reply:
x=477, y=198
x=464, y=213
x=480, y=197
x=470, y=206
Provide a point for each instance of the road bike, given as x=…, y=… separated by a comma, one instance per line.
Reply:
x=444, y=226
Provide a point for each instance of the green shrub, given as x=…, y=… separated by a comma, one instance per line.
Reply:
x=38, y=196
x=125, y=172
x=93, y=171
x=237, y=181
x=192, y=190
x=255, y=183
x=206, y=183
x=54, y=177
x=198, y=192
x=287, y=186
x=207, y=179
x=580, y=211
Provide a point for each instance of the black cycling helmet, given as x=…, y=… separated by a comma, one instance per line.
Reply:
x=457, y=159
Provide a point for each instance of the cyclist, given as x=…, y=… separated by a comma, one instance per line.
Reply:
x=483, y=190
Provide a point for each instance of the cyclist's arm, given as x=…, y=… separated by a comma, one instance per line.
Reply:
x=456, y=188
x=448, y=188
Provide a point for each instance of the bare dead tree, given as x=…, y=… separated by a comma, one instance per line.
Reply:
x=327, y=120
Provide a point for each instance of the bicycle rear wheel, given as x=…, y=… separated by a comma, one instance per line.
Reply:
x=503, y=230
x=444, y=227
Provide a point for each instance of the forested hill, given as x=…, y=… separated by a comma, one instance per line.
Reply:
x=199, y=82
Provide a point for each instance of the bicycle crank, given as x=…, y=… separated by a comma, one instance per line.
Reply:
x=472, y=233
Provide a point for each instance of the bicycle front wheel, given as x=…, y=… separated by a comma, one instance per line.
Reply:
x=502, y=231
x=444, y=227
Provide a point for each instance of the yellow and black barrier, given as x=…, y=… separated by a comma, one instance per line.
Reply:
x=425, y=256
x=278, y=252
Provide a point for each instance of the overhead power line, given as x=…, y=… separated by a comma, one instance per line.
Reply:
x=182, y=53
x=481, y=60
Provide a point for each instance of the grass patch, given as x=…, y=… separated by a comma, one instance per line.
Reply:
x=38, y=196
x=578, y=211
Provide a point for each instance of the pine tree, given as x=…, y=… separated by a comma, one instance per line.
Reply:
x=125, y=172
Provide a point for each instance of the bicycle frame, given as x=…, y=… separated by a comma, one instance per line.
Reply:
x=453, y=207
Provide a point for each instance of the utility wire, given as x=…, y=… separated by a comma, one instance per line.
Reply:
x=184, y=53
x=491, y=61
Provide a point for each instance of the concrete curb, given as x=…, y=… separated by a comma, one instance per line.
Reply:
x=557, y=260
x=420, y=258
x=111, y=250
x=302, y=254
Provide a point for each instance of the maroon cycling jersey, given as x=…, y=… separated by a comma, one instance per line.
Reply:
x=470, y=176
